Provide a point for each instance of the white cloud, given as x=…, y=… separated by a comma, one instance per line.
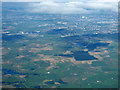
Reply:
x=57, y=0
x=70, y=6
x=21, y=0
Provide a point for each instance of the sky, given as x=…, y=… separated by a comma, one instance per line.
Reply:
x=69, y=6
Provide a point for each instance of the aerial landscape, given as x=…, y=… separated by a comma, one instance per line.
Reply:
x=48, y=49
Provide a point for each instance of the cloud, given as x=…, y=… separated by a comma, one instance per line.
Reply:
x=57, y=0
x=21, y=0
x=70, y=6
x=56, y=8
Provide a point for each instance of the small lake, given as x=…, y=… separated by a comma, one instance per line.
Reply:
x=83, y=55
x=79, y=56
x=11, y=37
x=12, y=72
x=95, y=45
